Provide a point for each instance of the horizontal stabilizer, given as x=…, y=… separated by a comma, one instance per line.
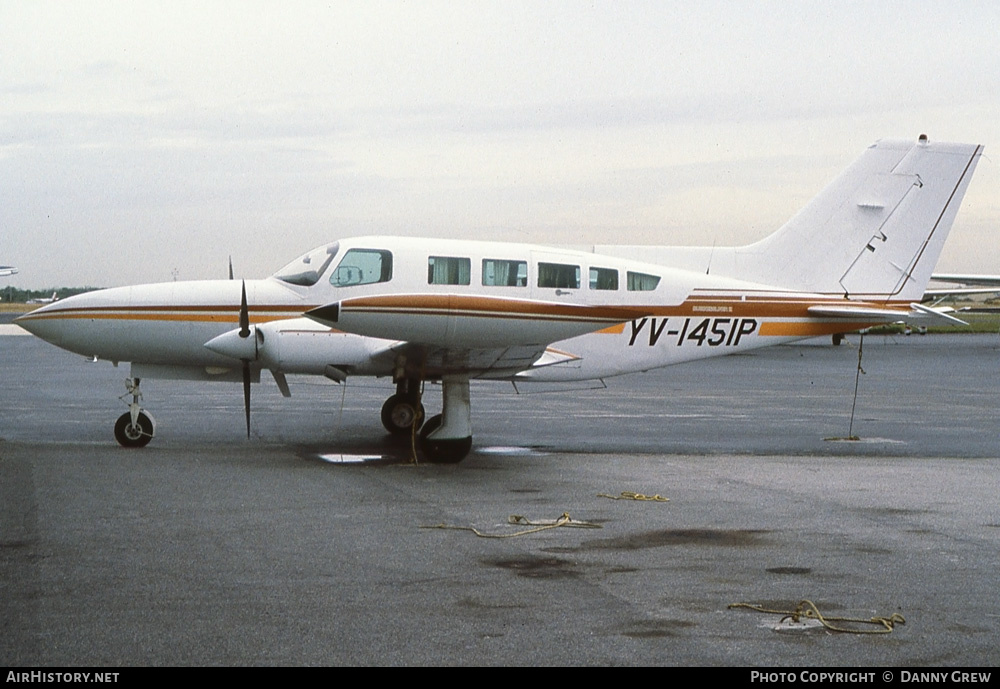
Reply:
x=859, y=313
x=917, y=312
x=934, y=314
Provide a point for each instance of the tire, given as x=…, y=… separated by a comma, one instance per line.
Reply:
x=444, y=451
x=139, y=435
x=400, y=413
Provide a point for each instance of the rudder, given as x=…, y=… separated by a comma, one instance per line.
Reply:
x=876, y=232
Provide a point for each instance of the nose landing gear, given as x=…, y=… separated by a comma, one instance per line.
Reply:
x=134, y=428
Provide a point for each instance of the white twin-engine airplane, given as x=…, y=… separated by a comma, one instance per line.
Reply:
x=420, y=310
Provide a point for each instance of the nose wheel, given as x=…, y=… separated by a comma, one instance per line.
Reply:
x=136, y=433
x=134, y=428
x=401, y=413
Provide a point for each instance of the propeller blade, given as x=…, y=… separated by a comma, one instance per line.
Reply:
x=244, y=314
x=245, y=333
x=230, y=267
x=246, y=392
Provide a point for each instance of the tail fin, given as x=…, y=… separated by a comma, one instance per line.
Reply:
x=874, y=233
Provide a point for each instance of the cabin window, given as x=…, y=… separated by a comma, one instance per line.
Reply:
x=363, y=267
x=603, y=278
x=502, y=273
x=558, y=275
x=642, y=282
x=447, y=270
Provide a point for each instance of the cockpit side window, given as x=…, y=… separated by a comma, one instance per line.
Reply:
x=363, y=267
x=307, y=270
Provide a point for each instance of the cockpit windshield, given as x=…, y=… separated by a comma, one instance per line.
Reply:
x=308, y=269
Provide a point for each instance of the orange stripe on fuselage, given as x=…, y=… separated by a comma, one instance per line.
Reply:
x=192, y=314
x=488, y=307
x=613, y=330
x=179, y=317
x=779, y=329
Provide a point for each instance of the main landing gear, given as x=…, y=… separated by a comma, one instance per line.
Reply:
x=134, y=428
x=445, y=438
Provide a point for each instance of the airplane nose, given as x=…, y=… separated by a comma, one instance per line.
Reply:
x=45, y=322
x=78, y=323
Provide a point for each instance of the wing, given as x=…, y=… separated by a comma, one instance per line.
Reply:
x=487, y=362
x=479, y=336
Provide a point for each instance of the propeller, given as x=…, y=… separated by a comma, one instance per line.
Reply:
x=245, y=333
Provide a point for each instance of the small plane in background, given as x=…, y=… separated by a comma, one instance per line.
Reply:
x=968, y=279
x=7, y=270
x=967, y=285
x=44, y=300
x=418, y=310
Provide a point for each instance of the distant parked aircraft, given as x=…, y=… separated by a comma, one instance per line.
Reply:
x=45, y=300
x=969, y=284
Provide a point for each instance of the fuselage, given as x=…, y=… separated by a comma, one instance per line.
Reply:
x=582, y=315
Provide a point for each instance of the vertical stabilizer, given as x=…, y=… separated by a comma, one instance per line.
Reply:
x=877, y=231
x=874, y=233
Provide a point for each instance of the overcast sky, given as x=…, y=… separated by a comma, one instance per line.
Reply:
x=140, y=141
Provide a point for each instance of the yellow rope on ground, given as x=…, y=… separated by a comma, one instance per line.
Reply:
x=808, y=609
x=629, y=495
x=564, y=520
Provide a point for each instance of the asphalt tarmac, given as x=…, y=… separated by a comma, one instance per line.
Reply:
x=206, y=548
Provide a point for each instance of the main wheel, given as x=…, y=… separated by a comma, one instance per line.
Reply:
x=137, y=435
x=442, y=451
x=401, y=413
